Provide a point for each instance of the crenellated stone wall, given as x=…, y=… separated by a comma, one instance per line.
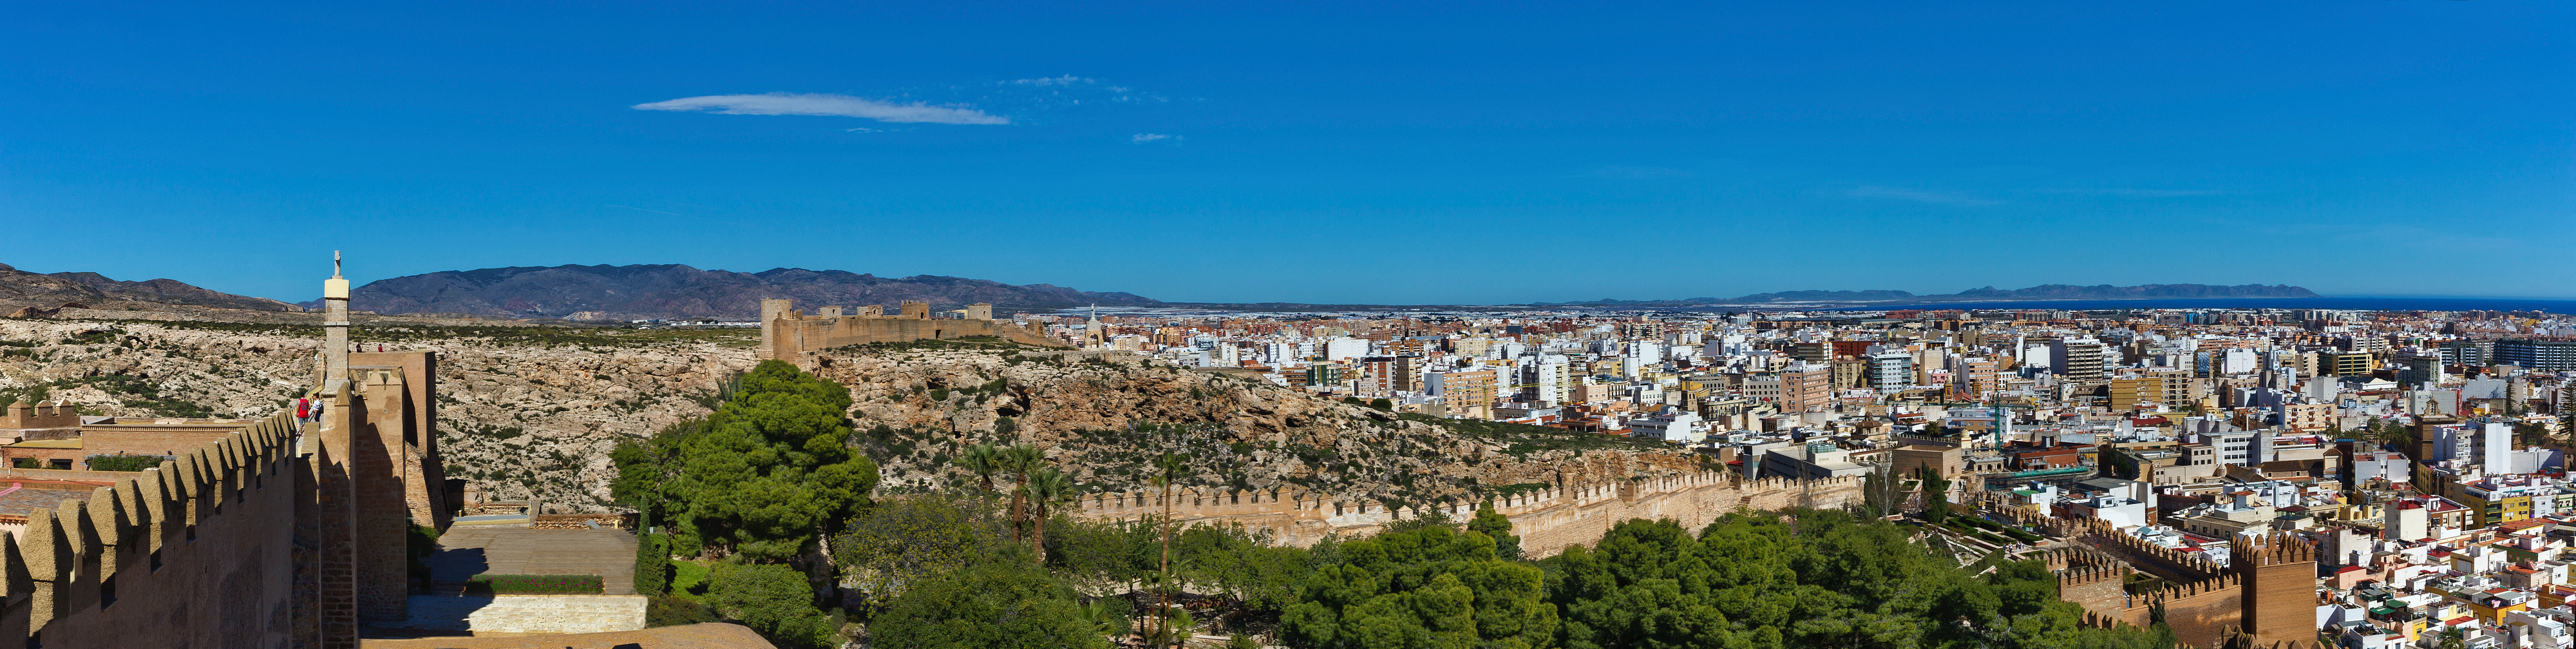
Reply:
x=1547, y=521
x=282, y=534
x=790, y=335
x=198, y=552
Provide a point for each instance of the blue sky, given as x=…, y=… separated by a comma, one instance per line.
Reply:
x=1320, y=152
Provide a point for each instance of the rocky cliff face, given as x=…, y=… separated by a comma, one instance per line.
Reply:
x=524, y=411
x=1104, y=418
x=534, y=411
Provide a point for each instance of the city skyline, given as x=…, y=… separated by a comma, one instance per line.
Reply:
x=1318, y=154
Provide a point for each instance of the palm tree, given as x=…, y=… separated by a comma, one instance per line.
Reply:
x=1096, y=614
x=1171, y=466
x=1020, y=460
x=1048, y=488
x=983, y=459
x=1156, y=579
x=2391, y=435
x=2567, y=414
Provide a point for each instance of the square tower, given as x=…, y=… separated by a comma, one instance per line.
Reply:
x=2278, y=598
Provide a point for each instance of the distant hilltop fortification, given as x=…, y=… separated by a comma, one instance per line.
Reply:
x=787, y=334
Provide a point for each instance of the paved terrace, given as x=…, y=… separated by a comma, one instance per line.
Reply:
x=468, y=551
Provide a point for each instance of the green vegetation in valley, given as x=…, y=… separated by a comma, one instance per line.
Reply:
x=774, y=599
x=754, y=486
x=1805, y=579
x=769, y=507
x=764, y=475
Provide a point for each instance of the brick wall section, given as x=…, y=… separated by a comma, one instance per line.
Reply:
x=2203, y=619
x=1546, y=521
x=377, y=472
x=2280, y=577
x=325, y=518
x=424, y=473
x=2097, y=589
x=194, y=554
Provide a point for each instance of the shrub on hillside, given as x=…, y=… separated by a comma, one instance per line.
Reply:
x=673, y=610
x=774, y=600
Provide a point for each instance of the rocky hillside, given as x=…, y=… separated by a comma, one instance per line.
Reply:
x=45, y=291
x=523, y=410
x=671, y=292
x=535, y=410
x=1103, y=418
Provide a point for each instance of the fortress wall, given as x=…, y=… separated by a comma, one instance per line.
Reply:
x=423, y=473
x=195, y=553
x=788, y=334
x=2095, y=588
x=1547, y=521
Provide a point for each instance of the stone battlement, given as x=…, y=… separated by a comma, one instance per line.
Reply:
x=1546, y=520
x=184, y=549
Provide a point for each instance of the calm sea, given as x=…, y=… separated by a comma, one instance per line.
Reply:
x=2357, y=303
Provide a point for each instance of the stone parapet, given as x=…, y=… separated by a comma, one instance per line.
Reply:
x=200, y=547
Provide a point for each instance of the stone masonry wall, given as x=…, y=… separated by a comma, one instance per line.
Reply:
x=790, y=335
x=1546, y=521
x=194, y=554
x=424, y=474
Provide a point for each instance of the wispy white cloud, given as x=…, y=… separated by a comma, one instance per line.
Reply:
x=787, y=103
x=1142, y=138
x=1920, y=196
x=2132, y=193
x=1636, y=173
x=1065, y=80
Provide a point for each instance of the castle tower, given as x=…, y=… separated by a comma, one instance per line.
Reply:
x=1093, y=335
x=770, y=312
x=2277, y=598
x=335, y=329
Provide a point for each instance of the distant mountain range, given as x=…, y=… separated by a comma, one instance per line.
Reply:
x=673, y=292
x=677, y=292
x=44, y=291
x=1984, y=294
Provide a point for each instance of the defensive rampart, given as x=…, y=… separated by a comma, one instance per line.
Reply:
x=1546, y=521
x=2202, y=600
x=196, y=553
x=790, y=335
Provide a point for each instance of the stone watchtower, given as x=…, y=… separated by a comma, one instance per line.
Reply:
x=770, y=312
x=2278, y=597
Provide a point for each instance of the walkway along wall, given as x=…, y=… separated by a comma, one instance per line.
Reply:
x=1546, y=521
